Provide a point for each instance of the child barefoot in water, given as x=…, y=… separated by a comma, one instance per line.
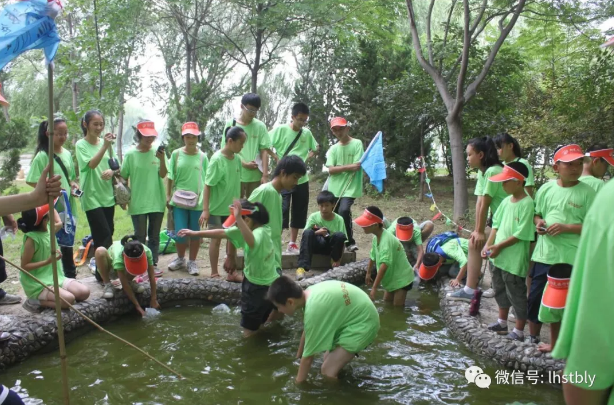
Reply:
x=253, y=234
x=36, y=259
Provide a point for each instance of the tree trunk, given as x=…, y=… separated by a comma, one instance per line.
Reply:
x=188, y=84
x=5, y=110
x=73, y=83
x=423, y=174
x=257, y=56
x=455, y=131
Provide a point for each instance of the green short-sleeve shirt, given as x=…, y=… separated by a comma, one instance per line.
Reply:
x=514, y=219
x=96, y=191
x=186, y=170
x=338, y=314
x=268, y=196
x=564, y=205
x=390, y=251
x=341, y=155
x=259, y=266
x=456, y=250
x=257, y=140
x=116, y=251
x=283, y=135
x=493, y=190
x=148, y=192
x=224, y=180
x=587, y=331
x=594, y=182
x=42, y=251
x=334, y=225
x=416, y=236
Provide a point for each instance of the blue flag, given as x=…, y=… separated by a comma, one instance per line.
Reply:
x=373, y=163
x=26, y=25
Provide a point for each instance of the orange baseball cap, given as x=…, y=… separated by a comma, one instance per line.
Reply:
x=231, y=220
x=606, y=154
x=430, y=264
x=555, y=294
x=569, y=153
x=146, y=128
x=190, y=128
x=338, y=122
x=367, y=219
x=136, y=265
x=2, y=99
x=404, y=229
x=507, y=174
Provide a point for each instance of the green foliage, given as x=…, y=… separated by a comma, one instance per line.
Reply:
x=11, y=143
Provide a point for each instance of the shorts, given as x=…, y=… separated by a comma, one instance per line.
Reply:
x=510, y=291
x=65, y=284
x=186, y=219
x=408, y=286
x=216, y=221
x=255, y=308
x=539, y=278
x=550, y=315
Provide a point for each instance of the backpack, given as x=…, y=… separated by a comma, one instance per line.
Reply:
x=436, y=242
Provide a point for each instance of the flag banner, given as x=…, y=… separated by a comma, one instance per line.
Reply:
x=373, y=162
x=28, y=24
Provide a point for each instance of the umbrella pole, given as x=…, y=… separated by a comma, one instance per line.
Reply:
x=54, y=264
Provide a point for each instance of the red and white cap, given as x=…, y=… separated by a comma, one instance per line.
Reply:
x=338, y=122
x=555, y=294
x=367, y=219
x=136, y=265
x=507, y=174
x=404, y=229
x=190, y=128
x=2, y=99
x=606, y=154
x=41, y=212
x=568, y=153
x=147, y=128
x=427, y=272
x=231, y=220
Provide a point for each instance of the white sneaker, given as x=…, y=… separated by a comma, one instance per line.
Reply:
x=488, y=293
x=351, y=248
x=178, y=264
x=293, y=248
x=136, y=287
x=108, y=291
x=92, y=265
x=193, y=268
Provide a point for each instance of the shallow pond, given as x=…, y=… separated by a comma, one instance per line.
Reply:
x=412, y=361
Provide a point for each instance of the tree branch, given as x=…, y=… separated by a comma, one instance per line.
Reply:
x=429, y=42
x=445, y=35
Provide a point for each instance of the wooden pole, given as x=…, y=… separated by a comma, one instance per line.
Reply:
x=54, y=264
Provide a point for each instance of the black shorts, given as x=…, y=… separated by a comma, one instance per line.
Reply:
x=539, y=278
x=255, y=308
x=408, y=286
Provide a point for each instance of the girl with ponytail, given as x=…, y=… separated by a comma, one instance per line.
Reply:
x=129, y=258
x=509, y=151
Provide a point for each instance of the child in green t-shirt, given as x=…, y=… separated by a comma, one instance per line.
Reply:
x=394, y=272
x=508, y=249
x=324, y=234
x=412, y=237
x=339, y=319
x=598, y=159
x=509, y=151
x=253, y=234
x=560, y=208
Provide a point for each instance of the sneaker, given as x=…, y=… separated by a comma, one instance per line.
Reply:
x=514, y=336
x=459, y=295
x=293, y=248
x=10, y=299
x=351, y=248
x=178, y=264
x=300, y=273
x=92, y=265
x=488, y=293
x=32, y=306
x=137, y=288
x=158, y=272
x=193, y=268
x=108, y=291
x=496, y=327
x=534, y=340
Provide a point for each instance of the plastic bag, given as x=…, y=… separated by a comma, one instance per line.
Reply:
x=221, y=309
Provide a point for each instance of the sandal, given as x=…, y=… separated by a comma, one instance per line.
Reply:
x=216, y=276
x=235, y=277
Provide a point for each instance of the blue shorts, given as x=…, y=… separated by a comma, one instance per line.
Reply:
x=186, y=219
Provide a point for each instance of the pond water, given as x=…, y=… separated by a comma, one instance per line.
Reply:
x=412, y=361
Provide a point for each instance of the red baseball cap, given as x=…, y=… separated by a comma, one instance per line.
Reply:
x=609, y=42
x=569, y=153
x=190, y=128
x=367, y=219
x=507, y=174
x=606, y=154
x=136, y=265
x=427, y=272
x=555, y=294
x=338, y=122
x=404, y=229
x=2, y=99
x=146, y=128
x=231, y=220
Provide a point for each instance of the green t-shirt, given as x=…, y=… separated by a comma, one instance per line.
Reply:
x=594, y=182
x=41, y=160
x=456, y=250
x=530, y=180
x=42, y=251
x=416, y=236
x=271, y=199
x=338, y=314
x=587, y=331
x=148, y=192
x=257, y=139
x=116, y=251
x=391, y=252
x=259, y=260
x=334, y=225
x=224, y=180
x=186, y=170
x=489, y=188
x=283, y=135
x=565, y=205
x=96, y=191
x=341, y=155
x=514, y=219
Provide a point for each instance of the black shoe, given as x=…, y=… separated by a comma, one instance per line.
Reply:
x=534, y=339
x=496, y=327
